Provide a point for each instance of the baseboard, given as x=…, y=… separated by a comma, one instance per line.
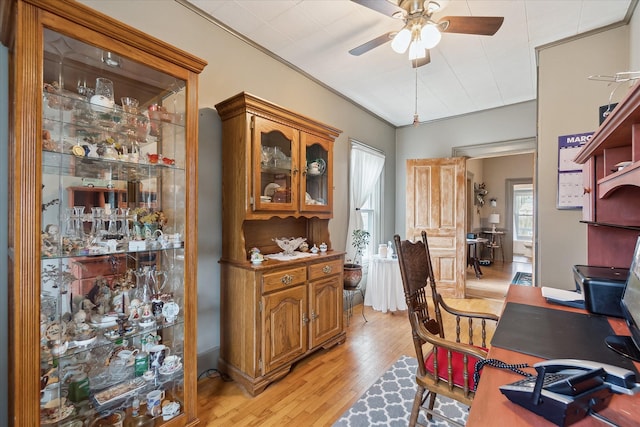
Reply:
x=208, y=360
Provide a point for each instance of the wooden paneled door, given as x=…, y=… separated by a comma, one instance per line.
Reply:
x=436, y=203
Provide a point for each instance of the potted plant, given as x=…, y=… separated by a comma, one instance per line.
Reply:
x=353, y=270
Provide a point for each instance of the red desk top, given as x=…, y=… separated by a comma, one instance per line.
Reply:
x=491, y=406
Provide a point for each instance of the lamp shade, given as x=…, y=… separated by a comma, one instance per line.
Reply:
x=494, y=218
x=401, y=41
x=430, y=36
x=416, y=51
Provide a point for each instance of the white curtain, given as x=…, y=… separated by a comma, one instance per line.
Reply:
x=366, y=167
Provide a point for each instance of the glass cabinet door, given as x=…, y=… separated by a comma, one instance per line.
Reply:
x=316, y=184
x=113, y=221
x=276, y=170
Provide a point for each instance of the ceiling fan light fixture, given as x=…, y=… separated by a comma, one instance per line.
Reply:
x=430, y=36
x=401, y=41
x=416, y=50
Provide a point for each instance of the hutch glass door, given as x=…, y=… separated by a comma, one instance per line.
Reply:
x=113, y=200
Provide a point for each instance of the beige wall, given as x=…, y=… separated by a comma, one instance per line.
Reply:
x=568, y=103
x=496, y=171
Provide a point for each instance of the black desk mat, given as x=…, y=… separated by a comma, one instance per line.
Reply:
x=556, y=334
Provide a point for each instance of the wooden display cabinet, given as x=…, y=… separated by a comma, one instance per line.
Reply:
x=611, y=171
x=64, y=330
x=278, y=182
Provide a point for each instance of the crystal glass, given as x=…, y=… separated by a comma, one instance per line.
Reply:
x=104, y=90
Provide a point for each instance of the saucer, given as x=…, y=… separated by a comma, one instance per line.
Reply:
x=164, y=371
x=147, y=324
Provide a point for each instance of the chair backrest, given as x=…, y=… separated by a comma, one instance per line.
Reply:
x=417, y=280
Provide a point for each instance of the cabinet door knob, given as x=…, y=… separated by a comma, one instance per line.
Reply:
x=326, y=269
x=586, y=190
x=305, y=319
x=314, y=316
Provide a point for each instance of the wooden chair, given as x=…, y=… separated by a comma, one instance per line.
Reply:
x=454, y=361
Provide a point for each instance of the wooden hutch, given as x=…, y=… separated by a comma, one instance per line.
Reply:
x=611, y=206
x=277, y=182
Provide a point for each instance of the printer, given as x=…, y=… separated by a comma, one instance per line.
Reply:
x=602, y=288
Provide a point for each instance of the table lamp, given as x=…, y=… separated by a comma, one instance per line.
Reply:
x=494, y=219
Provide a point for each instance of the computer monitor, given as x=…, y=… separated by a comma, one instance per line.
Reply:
x=629, y=346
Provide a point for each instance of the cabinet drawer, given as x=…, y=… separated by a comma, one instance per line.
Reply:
x=282, y=279
x=324, y=269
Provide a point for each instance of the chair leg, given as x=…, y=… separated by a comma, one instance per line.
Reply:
x=417, y=403
x=432, y=401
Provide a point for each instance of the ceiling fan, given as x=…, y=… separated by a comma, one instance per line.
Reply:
x=420, y=32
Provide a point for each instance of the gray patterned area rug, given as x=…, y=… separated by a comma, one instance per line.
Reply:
x=388, y=402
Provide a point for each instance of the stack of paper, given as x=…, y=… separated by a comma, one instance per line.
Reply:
x=563, y=297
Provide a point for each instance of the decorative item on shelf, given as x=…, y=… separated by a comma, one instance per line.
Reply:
x=479, y=192
x=323, y=247
x=282, y=195
x=170, y=311
x=289, y=244
x=316, y=167
x=353, y=271
x=314, y=249
x=104, y=96
x=256, y=257
x=304, y=247
x=146, y=222
x=382, y=250
x=494, y=220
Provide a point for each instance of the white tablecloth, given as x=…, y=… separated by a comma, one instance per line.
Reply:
x=384, y=285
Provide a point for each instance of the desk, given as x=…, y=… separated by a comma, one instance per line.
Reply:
x=472, y=254
x=384, y=285
x=490, y=404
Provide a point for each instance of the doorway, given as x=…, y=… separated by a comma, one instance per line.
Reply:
x=500, y=167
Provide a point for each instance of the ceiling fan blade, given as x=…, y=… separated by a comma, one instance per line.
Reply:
x=422, y=61
x=372, y=44
x=480, y=25
x=382, y=6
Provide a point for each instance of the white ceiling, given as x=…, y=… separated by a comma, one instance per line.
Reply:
x=467, y=73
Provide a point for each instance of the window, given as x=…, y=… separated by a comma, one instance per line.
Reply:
x=365, y=196
x=523, y=212
x=371, y=220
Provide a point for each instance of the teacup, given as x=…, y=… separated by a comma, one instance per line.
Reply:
x=49, y=393
x=171, y=362
x=148, y=375
x=157, y=354
x=59, y=348
x=170, y=410
x=127, y=355
x=154, y=402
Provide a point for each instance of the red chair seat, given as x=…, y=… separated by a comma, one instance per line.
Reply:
x=457, y=364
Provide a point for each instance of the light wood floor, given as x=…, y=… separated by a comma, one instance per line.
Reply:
x=321, y=387
x=495, y=278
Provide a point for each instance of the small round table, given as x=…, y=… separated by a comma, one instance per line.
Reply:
x=384, y=285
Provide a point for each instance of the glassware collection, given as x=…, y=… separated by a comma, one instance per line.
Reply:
x=112, y=249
